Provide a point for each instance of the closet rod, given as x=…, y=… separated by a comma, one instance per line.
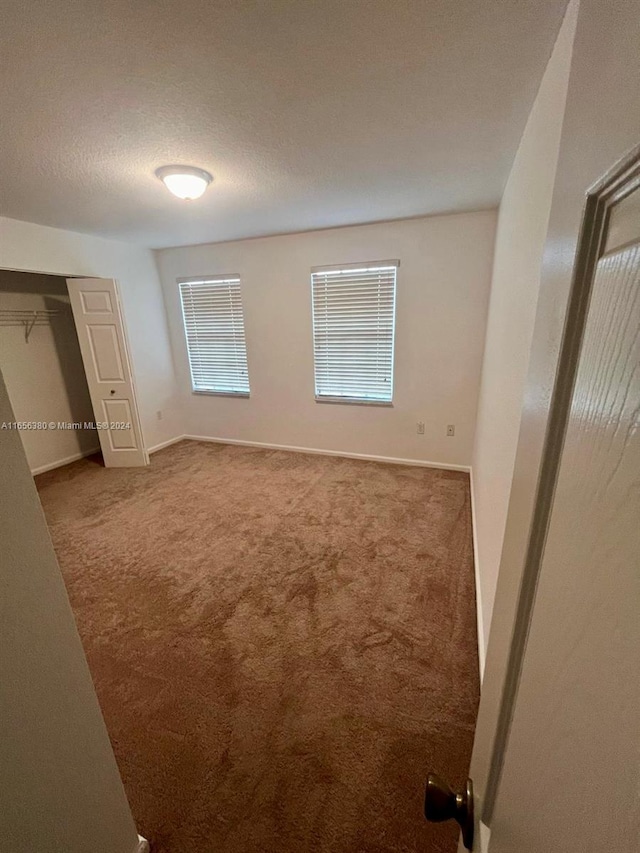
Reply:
x=26, y=318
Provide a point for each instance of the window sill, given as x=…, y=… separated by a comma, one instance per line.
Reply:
x=244, y=394
x=355, y=401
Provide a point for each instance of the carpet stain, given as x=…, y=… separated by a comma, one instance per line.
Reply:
x=283, y=645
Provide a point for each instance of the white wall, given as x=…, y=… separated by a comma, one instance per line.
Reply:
x=522, y=227
x=442, y=291
x=61, y=790
x=45, y=376
x=37, y=248
x=542, y=359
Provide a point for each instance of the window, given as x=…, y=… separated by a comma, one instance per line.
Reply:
x=353, y=329
x=214, y=328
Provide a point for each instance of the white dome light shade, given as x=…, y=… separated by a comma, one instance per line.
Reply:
x=186, y=182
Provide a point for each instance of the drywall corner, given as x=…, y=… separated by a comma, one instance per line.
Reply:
x=520, y=241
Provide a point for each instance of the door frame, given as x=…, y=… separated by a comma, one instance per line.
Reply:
x=619, y=182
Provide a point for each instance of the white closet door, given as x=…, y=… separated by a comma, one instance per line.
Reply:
x=98, y=318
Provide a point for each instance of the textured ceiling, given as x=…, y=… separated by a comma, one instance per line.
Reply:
x=309, y=113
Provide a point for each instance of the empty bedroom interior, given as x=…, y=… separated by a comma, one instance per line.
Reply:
x=272, y=422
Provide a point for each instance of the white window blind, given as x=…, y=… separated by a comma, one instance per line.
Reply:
x=353, y=331
x=214, y=329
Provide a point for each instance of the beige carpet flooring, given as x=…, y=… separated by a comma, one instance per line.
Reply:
x=283, y=645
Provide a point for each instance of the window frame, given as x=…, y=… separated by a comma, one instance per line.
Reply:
x=211, y=279
x=335, y=268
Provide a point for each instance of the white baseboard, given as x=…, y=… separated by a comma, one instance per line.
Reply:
x=340, y=453
x=143, y=845
x=476, y=564
x=60, y=462
x=166, y=443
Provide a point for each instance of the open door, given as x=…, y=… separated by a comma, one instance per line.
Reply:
x=101, y=333
x=570, y=774
x=565, y=776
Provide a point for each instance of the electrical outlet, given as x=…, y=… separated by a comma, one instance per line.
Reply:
x=159, y=414
x=451, y=429
x=420, y=428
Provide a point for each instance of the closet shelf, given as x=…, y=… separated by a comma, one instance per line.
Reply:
x=26, y=318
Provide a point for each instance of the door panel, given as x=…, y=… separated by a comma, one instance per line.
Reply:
x=571, y=775
x=119, y=411
x=96, y=302
x=96, y=310
x=105, y=353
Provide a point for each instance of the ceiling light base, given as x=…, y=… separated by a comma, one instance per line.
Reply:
x=185, y=182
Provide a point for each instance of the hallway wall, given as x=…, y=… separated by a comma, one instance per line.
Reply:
x=61, y=790
x=522, y=227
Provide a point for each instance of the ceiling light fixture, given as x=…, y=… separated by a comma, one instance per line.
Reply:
x=186, y=182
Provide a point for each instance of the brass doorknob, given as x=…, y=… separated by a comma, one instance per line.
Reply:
x=441, y=803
